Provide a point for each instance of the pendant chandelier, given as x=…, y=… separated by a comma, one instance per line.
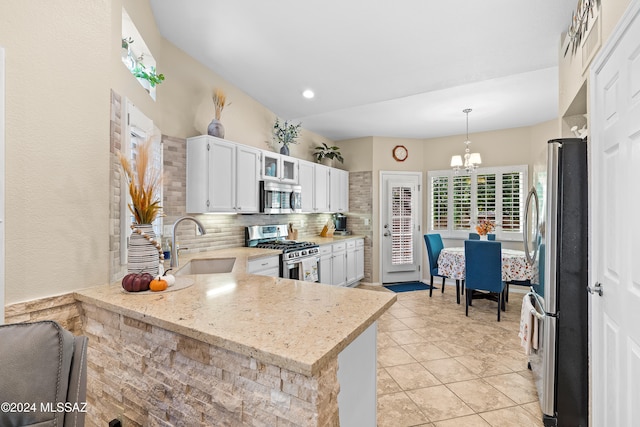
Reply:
x=470, y=161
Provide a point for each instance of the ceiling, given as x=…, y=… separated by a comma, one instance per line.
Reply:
x=405, y=68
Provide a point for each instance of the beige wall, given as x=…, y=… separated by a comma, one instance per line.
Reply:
x=62, y=60
x=357, y=153
x=57, y=145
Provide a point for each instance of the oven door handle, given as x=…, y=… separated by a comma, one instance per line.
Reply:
x=299, y=260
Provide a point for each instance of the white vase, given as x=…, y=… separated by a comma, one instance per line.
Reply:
x=142, y=255
x=483, y=237
x=216, y=129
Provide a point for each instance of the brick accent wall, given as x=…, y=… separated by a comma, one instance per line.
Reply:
x=116, y=268
x=359, y=217
x=148, y=376
x=63, y=309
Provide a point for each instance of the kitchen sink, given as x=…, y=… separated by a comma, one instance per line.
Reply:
x=207, y=266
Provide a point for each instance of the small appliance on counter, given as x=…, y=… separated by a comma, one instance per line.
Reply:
x=340, y=221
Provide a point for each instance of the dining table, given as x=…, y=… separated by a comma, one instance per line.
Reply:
x=451, y=264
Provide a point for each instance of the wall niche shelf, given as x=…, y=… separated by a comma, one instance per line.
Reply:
x=136, y=56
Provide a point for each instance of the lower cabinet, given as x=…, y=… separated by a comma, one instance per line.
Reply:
x=342, y=264
x=268, y=266
x=339, y=264
x=324, y=266
x=351, y=262
x=359, y=259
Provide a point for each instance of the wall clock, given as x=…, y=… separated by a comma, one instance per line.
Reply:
x=400, y=153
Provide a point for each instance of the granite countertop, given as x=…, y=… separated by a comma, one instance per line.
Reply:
x=296, y=325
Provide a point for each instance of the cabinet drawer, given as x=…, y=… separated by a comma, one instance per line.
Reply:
x=337, y=247
x=263, y=264
x=325, y=249
x=360, y=242
x=351, y=244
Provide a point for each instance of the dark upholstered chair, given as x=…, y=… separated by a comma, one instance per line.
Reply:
x=434, y=246
x=483, y=271
x=42, y=363
x=476, y=236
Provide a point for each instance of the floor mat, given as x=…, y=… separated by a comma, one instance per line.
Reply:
x=408, y=286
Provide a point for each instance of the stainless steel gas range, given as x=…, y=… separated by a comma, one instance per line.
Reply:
x=298, y=261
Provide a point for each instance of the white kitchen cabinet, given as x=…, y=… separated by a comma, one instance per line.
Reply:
x=321, y=188
x=267, y=266
x=198, y=166
x=359, y=259
x=314, y=180
x=342, y=264
x=222, y=176
x=247, y=179
x=278, y=167
x=351, y=262
x=339, y=190
x=324, y=266
x=339, y=264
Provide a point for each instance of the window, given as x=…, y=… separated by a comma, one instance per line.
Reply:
x=439, y=203
x=458, y=201
x=401, y=225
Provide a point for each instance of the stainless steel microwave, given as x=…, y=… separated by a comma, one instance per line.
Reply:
x=278, y=198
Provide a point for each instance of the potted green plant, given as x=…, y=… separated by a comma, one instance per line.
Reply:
x=148, y=74
x=126, y=42
x=323, y=152
x=286, y=133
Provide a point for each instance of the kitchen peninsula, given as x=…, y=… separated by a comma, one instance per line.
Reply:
x=231, y=349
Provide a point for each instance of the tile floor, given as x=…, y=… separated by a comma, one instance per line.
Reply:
x=438, y=368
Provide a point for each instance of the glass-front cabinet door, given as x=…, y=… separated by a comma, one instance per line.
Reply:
x=278, y=167
x=270, y=166
x=289, y=169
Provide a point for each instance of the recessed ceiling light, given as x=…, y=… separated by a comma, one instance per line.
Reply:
x=308, y=94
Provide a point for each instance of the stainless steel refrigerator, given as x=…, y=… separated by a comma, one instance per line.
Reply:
x=556, y=238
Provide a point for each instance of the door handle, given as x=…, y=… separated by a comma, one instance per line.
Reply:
x=597, y=289
x=386, y=234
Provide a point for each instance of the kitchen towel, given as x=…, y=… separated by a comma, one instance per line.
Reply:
x=310, y=269
x=528, y=326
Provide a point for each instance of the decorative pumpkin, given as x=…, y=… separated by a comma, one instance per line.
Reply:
x=158, y=284
x=169, y=278
x=135, y=282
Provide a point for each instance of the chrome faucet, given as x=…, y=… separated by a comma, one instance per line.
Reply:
x=174, y=249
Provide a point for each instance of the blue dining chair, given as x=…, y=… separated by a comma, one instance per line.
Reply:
x=476, y=236
x=483, y=271
x=434, y=246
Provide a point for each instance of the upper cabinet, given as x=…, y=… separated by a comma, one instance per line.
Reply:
x=314, y=180
x=221, y=176
x=278, y=167
x=339, y=190
x=324, y=189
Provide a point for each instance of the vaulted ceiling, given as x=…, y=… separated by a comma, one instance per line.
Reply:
x=404, y=68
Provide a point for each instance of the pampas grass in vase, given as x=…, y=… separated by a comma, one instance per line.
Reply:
x=144, y=182
x=219, y=101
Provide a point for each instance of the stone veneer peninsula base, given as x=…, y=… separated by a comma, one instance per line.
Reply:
x=231, y=350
